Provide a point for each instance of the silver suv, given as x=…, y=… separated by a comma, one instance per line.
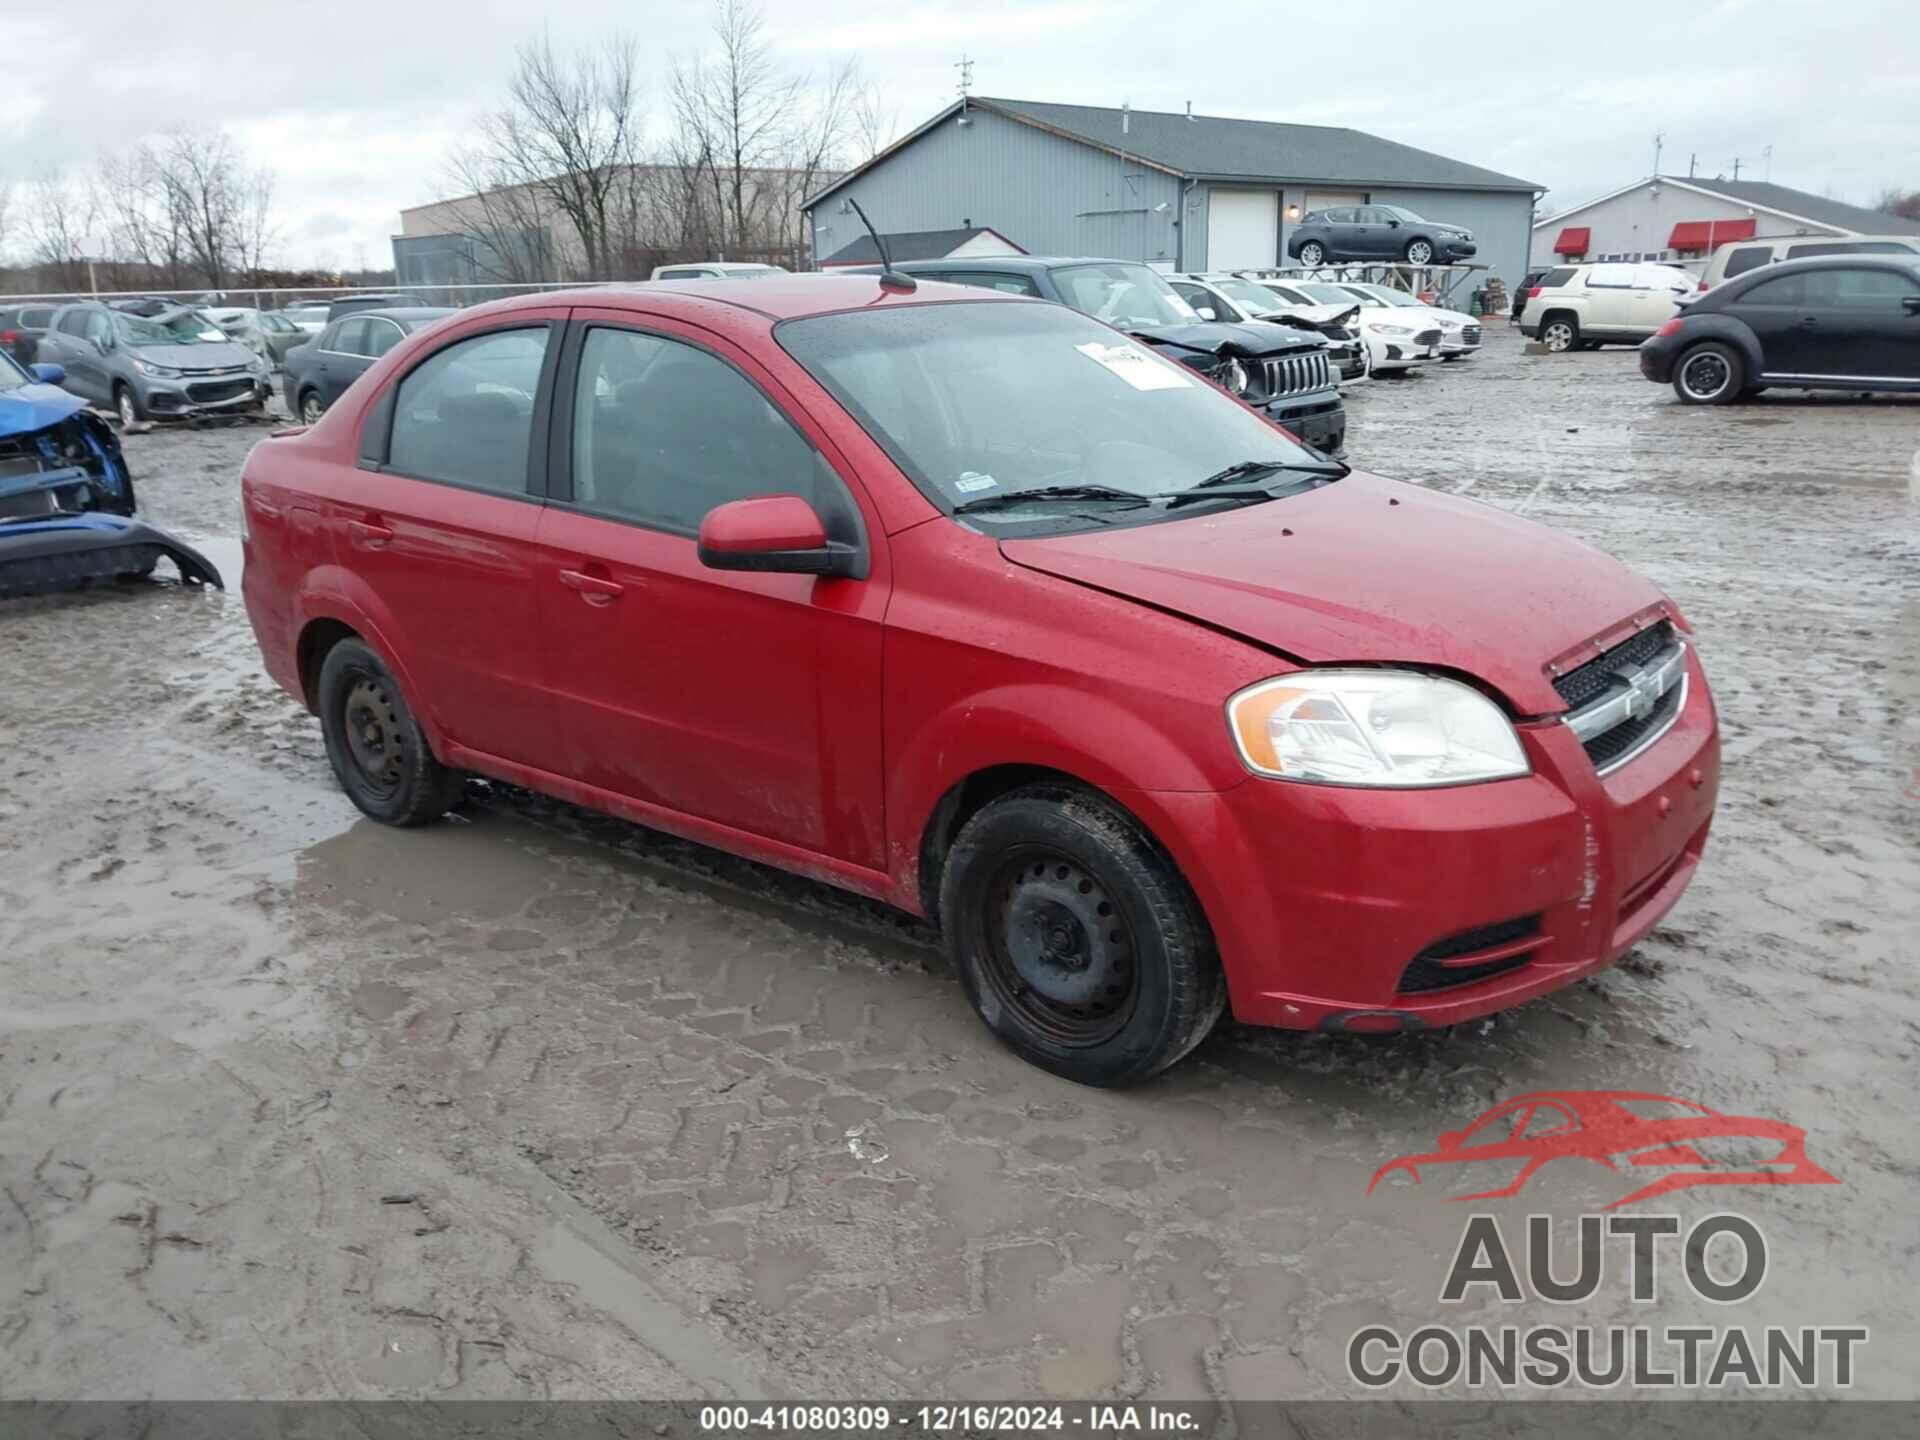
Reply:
x=159, y=367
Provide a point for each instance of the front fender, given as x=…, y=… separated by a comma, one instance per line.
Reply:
x=331, y=592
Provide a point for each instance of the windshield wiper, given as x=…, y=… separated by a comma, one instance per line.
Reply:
x=1010, y=498
x=1224, y=484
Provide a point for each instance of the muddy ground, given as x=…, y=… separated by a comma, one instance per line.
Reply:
x=534, y=1103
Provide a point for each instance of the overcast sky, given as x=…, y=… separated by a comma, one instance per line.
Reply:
x=355, y=104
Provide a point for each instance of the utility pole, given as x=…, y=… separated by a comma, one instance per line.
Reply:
x=1659, y=141
x=1692, y=161
x=1736, y=167
x=1767, y=156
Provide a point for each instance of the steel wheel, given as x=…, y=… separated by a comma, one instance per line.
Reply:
x=1559, y=335
x=374, y=735
x=1058, y=949
x=1312, y=253
x=1419, y=252
x=1705, y=375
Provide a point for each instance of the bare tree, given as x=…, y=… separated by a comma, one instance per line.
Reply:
x=143, y=219
x=875, y=123
x=1895, y=201
x=6, y=206
x=503, y=215
x=60, y=215
x=202, y=176
x=569, y=132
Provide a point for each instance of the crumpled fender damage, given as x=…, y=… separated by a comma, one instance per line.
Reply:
x=65, y=551
x=73, y=464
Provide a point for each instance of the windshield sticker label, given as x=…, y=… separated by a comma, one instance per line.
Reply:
x=972, y=480
x=1135, y=366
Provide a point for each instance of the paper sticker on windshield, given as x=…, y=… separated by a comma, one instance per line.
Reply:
x=1135, y=366
x=972, y=480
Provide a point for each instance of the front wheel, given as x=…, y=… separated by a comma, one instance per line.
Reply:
x=1419, y=252
x=128, y=405
x=1313, y=253
x=1709, y=374
x=1076, y=939
x=376, y=747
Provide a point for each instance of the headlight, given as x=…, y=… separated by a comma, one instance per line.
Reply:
x=159, y=372
x=1393, y=728
x=1233, y=375
x=1389, y=329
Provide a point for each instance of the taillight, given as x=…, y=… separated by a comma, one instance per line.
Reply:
x=1672, y=327
x=1534, y=293
x=7, y=337
x=1703, y=285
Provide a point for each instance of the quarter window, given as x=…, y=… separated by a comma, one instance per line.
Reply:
x=465, y=414
x=663, y=432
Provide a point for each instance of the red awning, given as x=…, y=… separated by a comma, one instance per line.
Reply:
x=1705, y=234
x=1573, y=240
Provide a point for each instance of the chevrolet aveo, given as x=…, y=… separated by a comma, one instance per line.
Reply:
x=968, y=603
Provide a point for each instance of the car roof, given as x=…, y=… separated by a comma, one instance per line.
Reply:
x=402, y=312
x=781, y=297
x=1834, y=262
x=1027, y=264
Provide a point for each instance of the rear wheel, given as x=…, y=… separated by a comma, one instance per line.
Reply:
x=1709, y=374
x=310, y=408
x=1076, y=939
x=378, y=752
x=1419, y=252
x=1560, y=333
x=1313, y=253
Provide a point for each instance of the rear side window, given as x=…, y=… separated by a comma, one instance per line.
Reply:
x=663, y=432
x=1554, y=279
x=465, y=415
x=351, y=338
x=1004, y=283
x=1612, y=277
x=39, y=319
x=382, y=336
x=1849, y=247
x=1750, y=257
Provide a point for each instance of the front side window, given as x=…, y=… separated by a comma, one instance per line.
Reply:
x=1860, y=289
x=1780, y=290
x=664, y=431
x=983, y=400
x=74, y=322
x=465, y=414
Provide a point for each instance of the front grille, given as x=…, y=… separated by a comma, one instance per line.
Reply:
x=1427, y=338
x=1470, y=335
x=1427, y=973
x=1593, y=679
x=1295, y=374
x=212, y=392
x=1623, y=737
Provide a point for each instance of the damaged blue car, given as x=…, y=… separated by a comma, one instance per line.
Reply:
x=66, y=495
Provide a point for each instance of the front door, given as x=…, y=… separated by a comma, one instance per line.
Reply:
x=344, y=359
x=748, y=700
x=1860, y=326
x=442, y=532
x=90, y=358
x=1776, y=311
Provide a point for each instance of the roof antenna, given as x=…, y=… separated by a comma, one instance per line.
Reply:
x=890, y=278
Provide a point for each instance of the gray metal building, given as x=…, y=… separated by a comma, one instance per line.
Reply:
x=1187, y=192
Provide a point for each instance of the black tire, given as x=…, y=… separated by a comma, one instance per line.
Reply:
x=1313, y=253
x=1709, y=374
x=1560, y=333
x=1076, y=939
x=379, y=754
x=310, y=409
x=126, y=404
x=1418, y=252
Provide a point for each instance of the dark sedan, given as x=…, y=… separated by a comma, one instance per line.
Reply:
x=1843, y=323
x=319, y=372
x=1377, y=232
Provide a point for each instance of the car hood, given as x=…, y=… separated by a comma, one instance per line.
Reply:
x=203, y=355
x=27, y=408
x=1220, y=337
x=1369, y=570
x=1317, y=315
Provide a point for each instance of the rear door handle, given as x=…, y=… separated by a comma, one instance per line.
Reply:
x=1808, y=322
x=591, y=588
x=367, y=536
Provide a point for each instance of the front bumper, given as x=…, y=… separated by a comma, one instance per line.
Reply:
x=1320, y=419
x=192, y=399
x=1461, y=342
x=1324, y=900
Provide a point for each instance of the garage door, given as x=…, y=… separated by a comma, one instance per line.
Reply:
x=1243, y=227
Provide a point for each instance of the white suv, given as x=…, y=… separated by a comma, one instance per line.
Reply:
x=1582, y=307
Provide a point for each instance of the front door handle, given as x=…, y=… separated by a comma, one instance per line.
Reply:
x=592, y=588
x=367, y=536
x=1809, y=322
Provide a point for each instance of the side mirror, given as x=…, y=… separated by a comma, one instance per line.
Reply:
x=1205, y=312
x=104, y=343
x=1392, y=223
x=1910, y=304
x=50, y=374
x=777, y=533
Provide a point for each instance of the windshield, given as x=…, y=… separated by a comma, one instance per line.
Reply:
x=1248, y=295
x=986, y=399
x=135, y=331
x=1123, y=295
x=1326, y=294
x=1385, y=295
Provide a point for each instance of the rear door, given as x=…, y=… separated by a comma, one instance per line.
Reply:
x=746, y=700
x=1610, y=300
x=438, y=520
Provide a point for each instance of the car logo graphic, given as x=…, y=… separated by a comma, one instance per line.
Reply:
x=1643, y=690
x=1625, y=1131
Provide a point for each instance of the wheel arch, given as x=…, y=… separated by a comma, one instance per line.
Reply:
x=1728, y=331
x=333, y=605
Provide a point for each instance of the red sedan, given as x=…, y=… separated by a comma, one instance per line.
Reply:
x=969, y=603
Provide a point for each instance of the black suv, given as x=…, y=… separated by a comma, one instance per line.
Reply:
x=21, y=327
x=1849, y=323
x=1282, y=372
x=1377, y=232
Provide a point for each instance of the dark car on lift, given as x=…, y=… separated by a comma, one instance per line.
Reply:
x=1283, y=372
x=1378, y=232
x=1840, y=323
x=319, y=372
